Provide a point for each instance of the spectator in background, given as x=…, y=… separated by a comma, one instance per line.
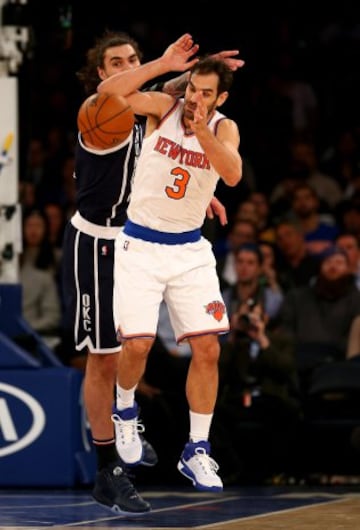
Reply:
x=36, y=162
x=348, y=215
x=27, y=196
x=57, y=147
x=250, y=287
x=246, y=210
x=297, y=266
x=241, y=231
x=233, y=197
x=265, y=225
x=318, y=317
x=304, y=167
x=281, y=197
x=41, y=303
x=42, y=172
x=319, y=230
x=350, y=244
x=41, y=306
x=56, y=223
x=38, y=251
x=270, y=272
x=342, y=159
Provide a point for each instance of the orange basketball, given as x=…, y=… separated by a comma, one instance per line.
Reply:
x=105, y=120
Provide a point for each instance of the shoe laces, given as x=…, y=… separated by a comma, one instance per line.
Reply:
x=208, y=464
x=128, y=429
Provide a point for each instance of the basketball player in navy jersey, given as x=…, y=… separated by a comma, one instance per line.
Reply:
x=103, y=179
x=161, y=254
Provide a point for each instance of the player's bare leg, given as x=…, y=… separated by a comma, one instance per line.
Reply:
x=201, y=391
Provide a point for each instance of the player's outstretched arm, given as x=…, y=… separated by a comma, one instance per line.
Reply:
x=178, y=57
x=176, y=86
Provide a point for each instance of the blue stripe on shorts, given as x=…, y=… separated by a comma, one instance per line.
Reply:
x=155, y=236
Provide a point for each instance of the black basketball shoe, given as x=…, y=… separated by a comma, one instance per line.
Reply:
x=114, y=490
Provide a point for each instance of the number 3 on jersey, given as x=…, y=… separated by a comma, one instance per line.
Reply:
x=177, y=191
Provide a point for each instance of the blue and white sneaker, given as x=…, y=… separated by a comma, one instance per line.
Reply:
x=196, y=464
x=128, y=442
x=132, y=447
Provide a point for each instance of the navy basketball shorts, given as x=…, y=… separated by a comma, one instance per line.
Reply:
x=88, y=284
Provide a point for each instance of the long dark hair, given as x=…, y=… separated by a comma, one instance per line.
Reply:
x=88, y=74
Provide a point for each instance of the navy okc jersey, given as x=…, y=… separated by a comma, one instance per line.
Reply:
x=104, y=178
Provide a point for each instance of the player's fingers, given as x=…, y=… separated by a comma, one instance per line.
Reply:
x=192, y=50
x=187, y=41
x=223, y=218
x=209, y=213
x=190, y=64
x=228, y=53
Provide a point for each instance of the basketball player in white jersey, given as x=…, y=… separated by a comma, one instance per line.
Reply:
x=188, y=146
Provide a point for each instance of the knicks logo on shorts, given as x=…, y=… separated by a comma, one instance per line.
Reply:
x=216, y=309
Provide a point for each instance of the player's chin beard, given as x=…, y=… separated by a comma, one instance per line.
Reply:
x=211, y=109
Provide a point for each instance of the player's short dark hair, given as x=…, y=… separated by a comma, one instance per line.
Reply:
x=209, y=65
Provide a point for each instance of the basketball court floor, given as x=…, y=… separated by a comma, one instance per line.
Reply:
x=244, y=508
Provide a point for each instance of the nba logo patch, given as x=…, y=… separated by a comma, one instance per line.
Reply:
x=126, y=244
x=104, y=250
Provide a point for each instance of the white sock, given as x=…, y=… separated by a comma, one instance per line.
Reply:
x=199, y=426
x=124, y=398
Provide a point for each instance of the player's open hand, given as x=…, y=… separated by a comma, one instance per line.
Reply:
x=178, y=54
x=230, y=59
x=200, y=117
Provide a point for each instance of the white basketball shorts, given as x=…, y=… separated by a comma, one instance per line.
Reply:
x=183, y=275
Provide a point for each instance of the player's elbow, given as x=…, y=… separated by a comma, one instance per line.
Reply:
x=235, y=180
x=233, y=176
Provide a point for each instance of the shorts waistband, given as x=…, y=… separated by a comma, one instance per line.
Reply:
x=93, y=230
x=155, y=236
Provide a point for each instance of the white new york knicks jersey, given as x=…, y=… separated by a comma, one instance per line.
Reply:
x=174, y=180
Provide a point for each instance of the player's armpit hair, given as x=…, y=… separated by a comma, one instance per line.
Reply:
x=156, y=87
